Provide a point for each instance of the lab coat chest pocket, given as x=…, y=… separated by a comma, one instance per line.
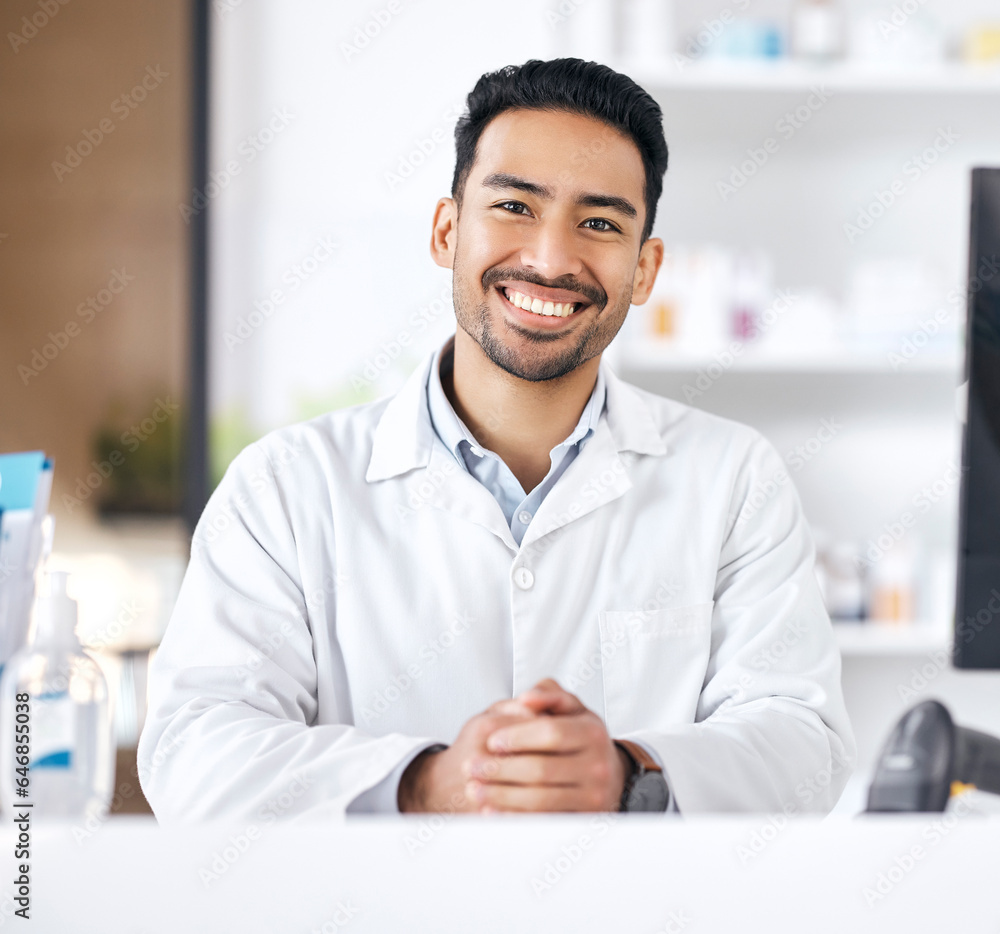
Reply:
x=653, y=665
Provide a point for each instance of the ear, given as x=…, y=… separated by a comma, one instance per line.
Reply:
x=444, y=232
x=650, y=260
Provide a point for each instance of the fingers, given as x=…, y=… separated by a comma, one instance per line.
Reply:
x=565, y=734
x=535, y=798
x=525, y=769
x=549, y=697
x=511, y=707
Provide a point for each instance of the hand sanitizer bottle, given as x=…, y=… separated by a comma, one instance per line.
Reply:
x=56, y=745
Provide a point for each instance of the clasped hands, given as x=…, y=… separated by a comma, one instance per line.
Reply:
x=540, y=751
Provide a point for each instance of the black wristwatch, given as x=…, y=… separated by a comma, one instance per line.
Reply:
x=645, y=787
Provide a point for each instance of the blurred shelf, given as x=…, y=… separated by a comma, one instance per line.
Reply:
x=783, y=75
x=125, y=574
x=648, y=358
x=877, y=638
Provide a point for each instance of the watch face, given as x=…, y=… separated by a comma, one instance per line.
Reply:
x=649, y=793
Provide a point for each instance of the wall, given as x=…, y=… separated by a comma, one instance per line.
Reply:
x=64, y=232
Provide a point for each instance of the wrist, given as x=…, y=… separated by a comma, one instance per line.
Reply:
x=628, y=771
x=412, y=794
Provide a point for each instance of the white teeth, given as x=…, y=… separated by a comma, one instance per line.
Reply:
x=539, y=307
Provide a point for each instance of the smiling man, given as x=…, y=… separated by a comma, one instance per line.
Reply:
x=520, y=584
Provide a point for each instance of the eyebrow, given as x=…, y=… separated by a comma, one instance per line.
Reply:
x=502, y=181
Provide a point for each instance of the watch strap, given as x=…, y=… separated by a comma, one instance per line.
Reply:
x=642, y=761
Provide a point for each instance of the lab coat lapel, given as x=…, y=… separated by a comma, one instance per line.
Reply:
x=600, y=473
x=405, y=440
x=460, y=493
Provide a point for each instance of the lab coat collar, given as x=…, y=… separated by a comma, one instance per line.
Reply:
x=404, y=437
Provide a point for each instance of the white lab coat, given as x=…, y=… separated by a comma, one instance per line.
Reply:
x=354, y=594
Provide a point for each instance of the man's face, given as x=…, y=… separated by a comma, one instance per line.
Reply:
x=551, y=221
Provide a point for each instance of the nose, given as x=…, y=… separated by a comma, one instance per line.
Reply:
x=551, y=251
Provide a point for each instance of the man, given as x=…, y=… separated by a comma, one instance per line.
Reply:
x=520, y=584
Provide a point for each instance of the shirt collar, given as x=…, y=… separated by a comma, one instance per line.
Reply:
x=454, y=433
x=404, y=436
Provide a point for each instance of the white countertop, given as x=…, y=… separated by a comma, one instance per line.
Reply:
x=602, y=873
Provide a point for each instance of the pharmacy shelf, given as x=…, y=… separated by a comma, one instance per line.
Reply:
x=876, y=638
x=649, y=358
x=837, y=77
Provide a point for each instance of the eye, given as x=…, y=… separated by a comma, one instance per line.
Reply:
x=607, y=228
x=511, y=207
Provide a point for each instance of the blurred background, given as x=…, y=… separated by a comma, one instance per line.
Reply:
x=173, y=296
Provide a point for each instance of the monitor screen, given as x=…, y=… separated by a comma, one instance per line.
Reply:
x=977, y=613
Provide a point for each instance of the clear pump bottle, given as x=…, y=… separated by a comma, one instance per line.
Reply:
x=70, y=748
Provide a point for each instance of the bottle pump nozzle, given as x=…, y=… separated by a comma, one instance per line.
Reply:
x=55, y=611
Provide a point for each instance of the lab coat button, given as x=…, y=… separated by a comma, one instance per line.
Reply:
x=524, y=517
x=524, y=578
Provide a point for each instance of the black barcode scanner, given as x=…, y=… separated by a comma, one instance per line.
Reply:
x=928, y=758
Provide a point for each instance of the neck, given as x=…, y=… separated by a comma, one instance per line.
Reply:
x=521, y=421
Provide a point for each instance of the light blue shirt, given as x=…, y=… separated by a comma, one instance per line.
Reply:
x=518, y=506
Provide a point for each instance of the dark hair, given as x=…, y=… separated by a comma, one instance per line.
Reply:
x=576, y=86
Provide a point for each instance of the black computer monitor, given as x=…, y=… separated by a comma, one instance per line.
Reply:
x=977, y=610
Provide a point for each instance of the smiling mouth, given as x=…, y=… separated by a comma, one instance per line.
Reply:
x=538, y=307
